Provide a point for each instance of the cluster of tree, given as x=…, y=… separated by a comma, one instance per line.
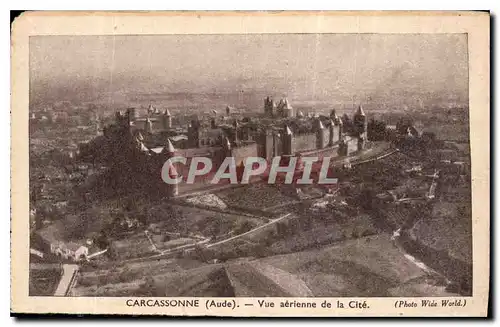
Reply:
x=96, y=151
x=364, y=199
x=377, y=130
x=102, y=240
x=243, y=227
x=403, y=124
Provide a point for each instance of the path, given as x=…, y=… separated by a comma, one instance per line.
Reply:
x=192, y=246
x=249, y=232
x=68, y=280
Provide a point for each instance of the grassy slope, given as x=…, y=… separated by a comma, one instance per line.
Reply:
x=370, y=266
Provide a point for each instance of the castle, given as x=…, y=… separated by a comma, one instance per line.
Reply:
x=282, y=109
x=145, y=142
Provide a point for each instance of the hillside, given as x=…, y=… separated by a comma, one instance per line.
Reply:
x=368, y=266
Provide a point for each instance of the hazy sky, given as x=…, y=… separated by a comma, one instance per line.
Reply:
x=300, y=65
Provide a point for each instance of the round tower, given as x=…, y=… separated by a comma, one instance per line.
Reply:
x=340, y=123
x=286, y=140
x=287, y=109
x=331, y=132
x=320, y=135
x=194, y=134
x=269, y=106
x=360, y=122
x=167, y=119
x=333, y=115
x=148, y=126
x=227, y=148
x=151, y=109
x=236, y=126
x=266, y=143
x=361, y=143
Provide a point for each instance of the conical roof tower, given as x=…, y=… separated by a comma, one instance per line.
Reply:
x=333, y=115
x=169, y=148
x=360, y=111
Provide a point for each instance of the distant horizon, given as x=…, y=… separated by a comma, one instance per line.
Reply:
x=385, y=68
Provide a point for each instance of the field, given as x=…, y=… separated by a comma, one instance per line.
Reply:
x=457, y=131
x=126, y=279
x=450, y=228
x=368, y=266
x=334, y=246
x=262, y=197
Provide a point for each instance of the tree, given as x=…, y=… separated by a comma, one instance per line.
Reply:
x=429, y=140
x=403, y=124
x=102, y=240
x=215, y=227
x=77, y=226
x=377, y=130
x=366, y=198
x=244, y=227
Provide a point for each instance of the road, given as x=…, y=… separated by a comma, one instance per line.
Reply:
x=68, y=279
x=165, y=253
x=250, y=231
x=203, y=185
x=376, y=153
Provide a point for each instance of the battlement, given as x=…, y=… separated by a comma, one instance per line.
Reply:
x=321, y=137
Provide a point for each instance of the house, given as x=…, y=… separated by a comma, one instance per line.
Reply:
x=49, y=240
x=74, y=251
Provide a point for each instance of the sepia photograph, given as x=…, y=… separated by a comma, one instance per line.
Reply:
x=251, y=165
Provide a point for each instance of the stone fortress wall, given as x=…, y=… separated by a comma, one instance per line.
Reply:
x=326, y=138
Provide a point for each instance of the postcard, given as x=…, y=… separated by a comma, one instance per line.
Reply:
x=251, y=164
